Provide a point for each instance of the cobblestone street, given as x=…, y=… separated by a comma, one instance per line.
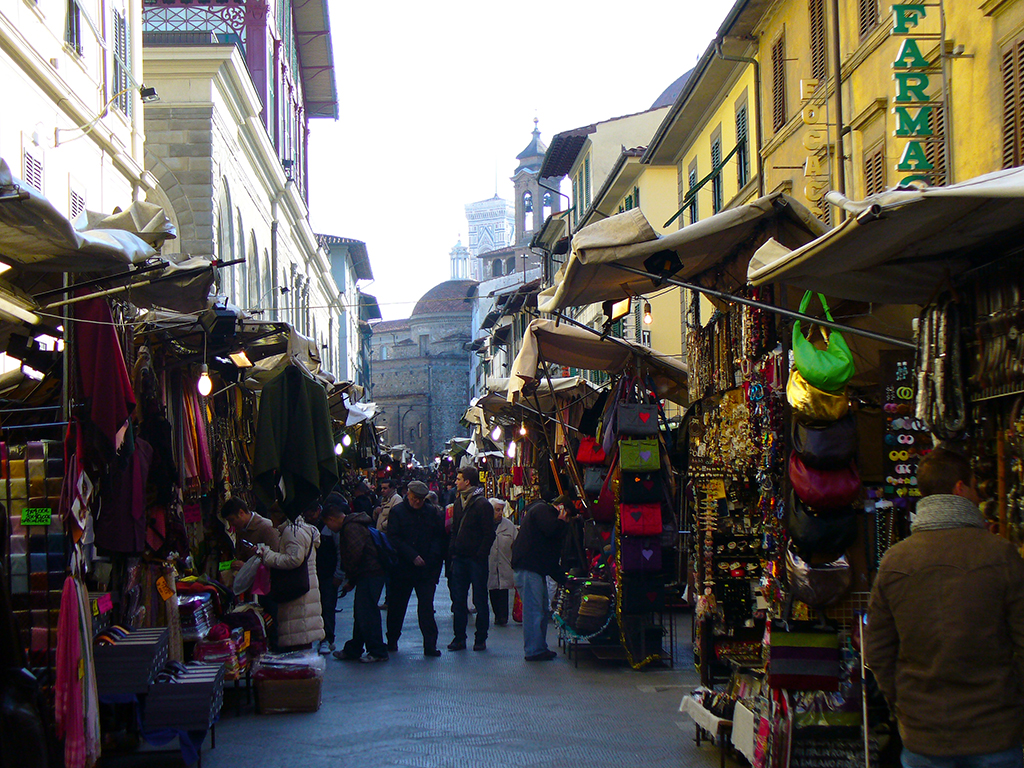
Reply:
x=469, y=708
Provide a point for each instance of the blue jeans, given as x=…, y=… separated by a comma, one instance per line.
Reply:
x=1011, y=758
x=533, y=591
x=466, y=573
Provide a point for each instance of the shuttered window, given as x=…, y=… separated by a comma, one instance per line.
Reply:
x=867, y=13
x=935, y=147
x=779, y=84
x=742, y=150
x=77, y=205
x=716, y=180
x=874, y=171
x=73, y=27
x=122, y=90
x=33, y=170
x=1013, y=119
x=819, y=67
x=692, y=190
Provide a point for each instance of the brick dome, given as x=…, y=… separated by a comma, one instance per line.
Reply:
x=450, y=296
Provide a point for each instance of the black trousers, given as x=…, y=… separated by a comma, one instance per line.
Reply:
x=399, y=591
x=499, y=605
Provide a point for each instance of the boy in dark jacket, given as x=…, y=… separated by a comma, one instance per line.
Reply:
x=416, y=531
x=471, y=539
x=364, y=572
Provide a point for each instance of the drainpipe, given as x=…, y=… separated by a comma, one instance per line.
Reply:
x=837, y=66
x=757, y=106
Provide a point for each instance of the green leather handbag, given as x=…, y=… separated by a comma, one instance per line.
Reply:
x=640, y=455
x=830, y=368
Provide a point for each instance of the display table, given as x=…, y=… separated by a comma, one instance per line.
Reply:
x=743, y=731
x=708, y=724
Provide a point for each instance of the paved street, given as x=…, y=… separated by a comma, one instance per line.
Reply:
x=471, y=708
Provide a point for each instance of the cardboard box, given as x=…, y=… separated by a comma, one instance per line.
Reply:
x=277, y=696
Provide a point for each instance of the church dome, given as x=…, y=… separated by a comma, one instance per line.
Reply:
x=449, y=296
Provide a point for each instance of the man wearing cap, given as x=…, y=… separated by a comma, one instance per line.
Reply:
x=535, y=556
x=416, y=530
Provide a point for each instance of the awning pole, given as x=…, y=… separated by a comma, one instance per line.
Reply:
x=574, y=469
x=768, y=308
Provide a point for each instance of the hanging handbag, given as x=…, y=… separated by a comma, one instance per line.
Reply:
x=642, y=593
x=637, y=419
x=639, y=554
x=641, y=455
x=593, y=480
x=590, y=452
x=803, y=656
x=830, y=446
x=292, y=583
x=813, y=405
x=820, y=535
x=640, y=519
x=603, y=510
x=823, y=489
x=830, y=368
x=817, y=585
x=598, y=536
x=640, y=488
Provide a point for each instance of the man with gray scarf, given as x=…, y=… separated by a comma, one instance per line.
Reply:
x=945, y=634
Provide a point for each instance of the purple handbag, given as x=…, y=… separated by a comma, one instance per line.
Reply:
x=639, y=554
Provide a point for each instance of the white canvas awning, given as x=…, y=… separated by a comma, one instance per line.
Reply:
x=577, y=348
x=901, y=245
x=496, y=402
x=628, y=239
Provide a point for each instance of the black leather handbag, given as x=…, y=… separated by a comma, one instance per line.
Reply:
x=290, y=584
x=640, y=488
x=815, y=535
x=828, y=446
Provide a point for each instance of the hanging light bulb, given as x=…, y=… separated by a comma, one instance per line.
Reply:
x=205, y=383
x=522, y=429
x=338, y=449
x=511, y=452
x=496, y=433
x=648, y=317
x=346, y=440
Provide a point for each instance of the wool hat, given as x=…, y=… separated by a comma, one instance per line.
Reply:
x=564, y=499
x=418, y=488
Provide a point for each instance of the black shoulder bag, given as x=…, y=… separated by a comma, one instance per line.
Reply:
x=290, y=584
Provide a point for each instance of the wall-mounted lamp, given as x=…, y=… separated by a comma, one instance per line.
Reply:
x=147, y=95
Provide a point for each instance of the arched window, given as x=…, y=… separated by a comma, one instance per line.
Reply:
x=546, y=205
x=225, y=240
x=496, y=268
x=241, y=272
x=252, y=260
x=528, y=211
x=510, y=265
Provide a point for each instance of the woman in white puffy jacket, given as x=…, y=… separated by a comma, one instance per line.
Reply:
x=300, y=623
x=499, y=563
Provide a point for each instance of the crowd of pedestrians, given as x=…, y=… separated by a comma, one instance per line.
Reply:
x=385, y=544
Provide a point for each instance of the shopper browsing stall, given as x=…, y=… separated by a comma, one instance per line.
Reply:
x=945, y=628
x=535, y=556
x=249, y=526
x=297, y=594
x=500, y=578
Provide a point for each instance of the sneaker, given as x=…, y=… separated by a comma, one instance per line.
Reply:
x=324, y=648
x=342, y=656
x=457, y=645
x=392, y=647
x=371, y=659
x=432, y=652
x=480, y=645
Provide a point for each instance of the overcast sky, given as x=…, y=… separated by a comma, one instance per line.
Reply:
x=437, y=99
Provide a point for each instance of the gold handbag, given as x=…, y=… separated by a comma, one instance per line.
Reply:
x=811, y=404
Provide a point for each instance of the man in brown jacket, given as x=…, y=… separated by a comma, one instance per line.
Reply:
x=945, y=633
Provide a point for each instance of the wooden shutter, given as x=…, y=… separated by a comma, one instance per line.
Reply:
x=716, y=180
x=819, y=66
x=779, y=83
x=868, y=15
x=742, y=155
x=1013, y=125
x=874, y=172
x=935, y=147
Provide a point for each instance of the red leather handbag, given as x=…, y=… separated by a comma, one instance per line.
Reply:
x=640, y=519
x=603, y=510
x=590, y=452
x=824, y=489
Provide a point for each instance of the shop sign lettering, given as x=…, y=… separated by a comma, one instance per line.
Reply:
x=814, y=140
x=912, y=107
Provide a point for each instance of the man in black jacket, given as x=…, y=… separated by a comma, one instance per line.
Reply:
x=416, y=530
x=471, y=538
x=535, y=556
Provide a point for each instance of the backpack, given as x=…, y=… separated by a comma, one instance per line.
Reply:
x=386, y=551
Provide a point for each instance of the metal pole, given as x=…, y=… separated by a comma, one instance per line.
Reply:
x=837, y=66
x=769, y=308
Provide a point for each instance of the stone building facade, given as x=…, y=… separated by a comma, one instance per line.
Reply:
x=420, y=370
